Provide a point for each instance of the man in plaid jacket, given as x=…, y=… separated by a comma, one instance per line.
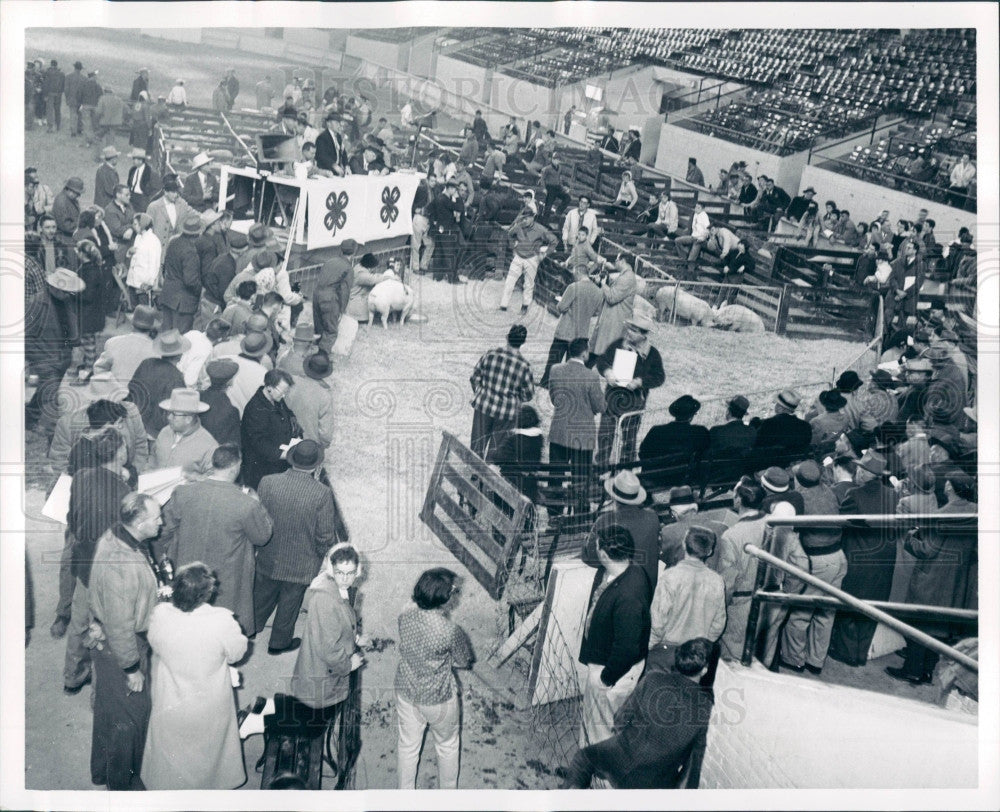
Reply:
x=501, y=382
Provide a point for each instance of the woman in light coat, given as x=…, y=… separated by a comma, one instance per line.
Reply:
x=193, y=739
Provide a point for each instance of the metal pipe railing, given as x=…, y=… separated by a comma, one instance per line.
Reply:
x=874, y=520
x=913, y=609
x=864, y=607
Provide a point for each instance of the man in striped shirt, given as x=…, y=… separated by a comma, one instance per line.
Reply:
x=501, y=382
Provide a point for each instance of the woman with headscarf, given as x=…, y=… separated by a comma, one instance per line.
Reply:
x=140, y=132
x=193, y=738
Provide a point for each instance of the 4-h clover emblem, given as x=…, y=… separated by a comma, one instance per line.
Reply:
x=336, y=215
x=390, y=211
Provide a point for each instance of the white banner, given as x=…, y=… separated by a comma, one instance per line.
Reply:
x=362, y=208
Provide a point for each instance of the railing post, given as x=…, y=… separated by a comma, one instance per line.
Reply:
x=781, y=319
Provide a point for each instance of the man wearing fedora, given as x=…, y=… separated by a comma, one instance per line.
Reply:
x=119, y=217
x=627, y=510
x=267, y=427
x=66, y=210
x=828, y=426
x=331, y=148
x=107, y=177
x=303, y=345
x=806, y=636
x=178, y=300
x=220, y=271
x=684, y=513
x=122, y=354
x=201, y=189
x=142, y=181
x=946, y=394
x=332, y=293
x=184, y=441
x=71, y=91
x=305, y=519
x=254, y=347
x=627, y=397
x=729, y=443
x=668, y=447
x=874, y=401
x=222, y=525
x=847, y=384
x=311, y=399
x=156, y=377
x=169, y=212
x=782, y=435
x=222, y=420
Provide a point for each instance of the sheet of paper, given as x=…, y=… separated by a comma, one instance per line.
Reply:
x=160, y=483
x=57, y=505
x=623, y=368
x=909, y=282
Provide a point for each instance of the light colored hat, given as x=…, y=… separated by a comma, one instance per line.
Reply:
x=185, y=401
x=170, y=343
x=192, y=224
x=64, y=280
x=641, y=323
x=304, y=332
x=138, y=152
x=789, y=398
x=625, y=488
x=109, y=152
x=209, y=216
x=200, y=160
x=105, y=386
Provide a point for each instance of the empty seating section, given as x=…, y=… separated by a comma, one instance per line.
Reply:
x=396, y=35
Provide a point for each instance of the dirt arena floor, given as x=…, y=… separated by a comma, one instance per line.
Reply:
x=394, y=395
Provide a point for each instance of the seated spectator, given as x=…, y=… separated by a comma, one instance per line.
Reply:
x=660, y=731
x=694, y=174
x=771, y=204
x=747, y=192
x=847, y=384
x=828, y=426
x=781, y=436
x=672, y=445
x=946, y=393
x=729, y=442
x=960, y=179
x=522, y=448
x=722, y=241
x=874, y=402
x=800, y=204
x=665, y=222
x=684, y=512
x=626, y=510
x=845, y=231
x=915, y=450
x=689, y=247
x=627, y=195
x=690, y=599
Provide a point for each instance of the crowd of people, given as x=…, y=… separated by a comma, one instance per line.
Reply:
x=220, y=378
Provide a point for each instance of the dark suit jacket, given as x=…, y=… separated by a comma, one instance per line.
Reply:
x=303, y=513
x=329, y=153
x=149, y=184
x=95, y=499
x=181, y=275
x=669, y=444
x=618, y=634
x=153, y=381
x=105, y=182
x=644, y=526
x=265, y=426
x=199, y=196
x=222, y=420
x=785, y=434
x=728, y=444
x=576, y=397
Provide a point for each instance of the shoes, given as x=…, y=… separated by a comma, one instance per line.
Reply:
x=903, y=675
x=296, y=642
x=73, y=690
x=256, y=707
x=812, y=669
x=798, y=669
x=524, y=310
x=58, y=627
x=503, y=308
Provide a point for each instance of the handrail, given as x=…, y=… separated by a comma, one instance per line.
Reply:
x=915, y=609
x=873, y=519
x=242, y=143
x=864, y=607
x=874, y=173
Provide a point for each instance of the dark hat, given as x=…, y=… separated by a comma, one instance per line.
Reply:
x=832, y=400
x=775, y=479
x=306, y=455
x=873, y=463
x=883, y=379
x=221, y=370
x=303, y=116
x=937, y=354
x=317, y=366
x=848, y=381
x=517, y=335
x=738, y=406
x=258, y=235
x=192, y=224
x=685, y=407
x=171, y=185
x=145, y=317
x=923, y=479
x=368, y=261
x=348, y=247
x=808, y=473
x=290, y=112
x=265, y=259
x=74, y=184
x=681, y=495
x=808, y=189
x=170, y=343
x=78, y=65
x=217, y=328
x=936, y=437
x=256, y=345
x=237, y=240
x=859, y=440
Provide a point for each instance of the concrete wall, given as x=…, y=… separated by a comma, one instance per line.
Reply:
x=461, y=78
x=384, y=53
x=865, y=200
x=176, y=34
x=312, y=37
x=777, y=731
x=677, y=144
x=523, y=99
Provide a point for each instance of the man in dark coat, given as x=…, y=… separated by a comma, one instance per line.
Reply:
x=945, y=575
x=143, y=182
x=232, y=86
x=729, y=442
x=66, y=210
x=306, y=524
x=181, y=278
x=139, y=84
x=660, y=731
x=71, y=90
x=673, y=444
x=218, y=523
x=441, y=213
x=47, y=348
x=332, y=293
x=53, y=85
x=267, y=425
x=106, y=179
x=331, y=148
x=222, y=420
x=782, y=436
x=871, y=559
x=155, y=378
